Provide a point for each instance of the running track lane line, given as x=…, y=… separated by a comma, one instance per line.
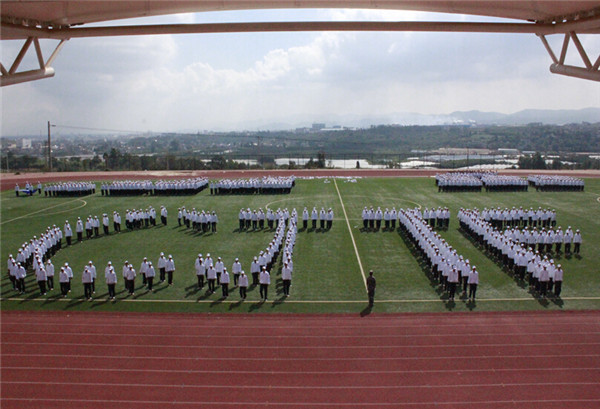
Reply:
x=362, y=271
x=284, y=387
x=303, y=404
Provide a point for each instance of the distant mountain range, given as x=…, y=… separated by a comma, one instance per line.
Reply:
x=545, y=116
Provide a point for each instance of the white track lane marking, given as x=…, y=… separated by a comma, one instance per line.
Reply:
x=263, y=372
x=289, y=359
x=170, y=403
x=47, y=208
x=296, y=336
x=276, y=347
x=311, y=387
x=362, y=271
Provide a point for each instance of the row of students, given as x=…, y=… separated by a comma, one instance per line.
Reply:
x=556, y=183
x=372, y=218
x=449, y=269
x=264, y=185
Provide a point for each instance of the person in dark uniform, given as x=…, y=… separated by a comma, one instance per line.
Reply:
x=371, y=284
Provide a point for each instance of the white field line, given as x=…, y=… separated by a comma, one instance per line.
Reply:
x=43, y=210
x=362, y=271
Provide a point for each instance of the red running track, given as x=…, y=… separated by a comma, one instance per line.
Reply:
x=133, y=360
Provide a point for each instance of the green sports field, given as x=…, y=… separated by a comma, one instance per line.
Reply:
x=327, y=265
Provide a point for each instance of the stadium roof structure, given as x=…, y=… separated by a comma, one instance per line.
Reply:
x=63, y=20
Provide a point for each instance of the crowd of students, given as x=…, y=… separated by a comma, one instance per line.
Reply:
x=265, y=185
x=190, y=186
x=525, y=262
x=448, y=268
x=68, y=189
x=556, y=183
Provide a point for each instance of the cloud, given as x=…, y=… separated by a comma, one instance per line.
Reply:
x=168, y=83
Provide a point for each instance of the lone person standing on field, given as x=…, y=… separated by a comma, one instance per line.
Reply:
x=371, y=284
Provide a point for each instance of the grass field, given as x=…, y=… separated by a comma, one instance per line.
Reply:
x=327, y=275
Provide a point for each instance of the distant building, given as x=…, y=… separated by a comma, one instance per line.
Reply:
x=26, y=144
x=317, y=126
x=508, y=151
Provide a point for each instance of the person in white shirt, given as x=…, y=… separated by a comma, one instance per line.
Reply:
x=243, y=283
x=577, y=242
x=558, y=279
x=265, y=281
x=236, y=269
x=255, y=270
x=63, y=279
x=69, y=272
x=224, y=281
x=40, y=275
x=130, y=277
x=111, y=281
x=473, y=282
x=200, y=271
x=162, y=263
x=286, y=276
x=211, y=277
x=150, y=274
x=143, y=269
x=170, y=269
x=86, y=279
x=92, y=269
x=219, y=266
x=50, y=274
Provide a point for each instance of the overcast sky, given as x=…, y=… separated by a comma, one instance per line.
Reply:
x=245, y=81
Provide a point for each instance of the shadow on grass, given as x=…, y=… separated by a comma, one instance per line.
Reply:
x=256, y=306
x=235, y=305
x=278, y=301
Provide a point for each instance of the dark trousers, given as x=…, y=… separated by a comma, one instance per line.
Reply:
x=111, y=290
x=64, y=288
x=170, y=275
x=143, y=278
x=451, y=290
x=314, y=224
x=235, y=279
x=93, y=285
x=211, y=284
x=264, y=291
x=68, y=240
x=87, y=290
x=105, y=230
x=472, y=290
x=557, y=288
x=576, y=249
x=162, y=274
x=225, y=289
x=79, y=236
x=13, y=280
x=286, y=286
x=42, y=285
x=149, y=281
x=200, y=281
x=243, y=293
x=254, y=278
x=305, y=224
x=371, y=294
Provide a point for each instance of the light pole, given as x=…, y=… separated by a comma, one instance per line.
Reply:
x=50, y=147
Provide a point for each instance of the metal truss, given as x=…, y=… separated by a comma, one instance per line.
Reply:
x=589, y=71
x=12, y=76
x=586, y=23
